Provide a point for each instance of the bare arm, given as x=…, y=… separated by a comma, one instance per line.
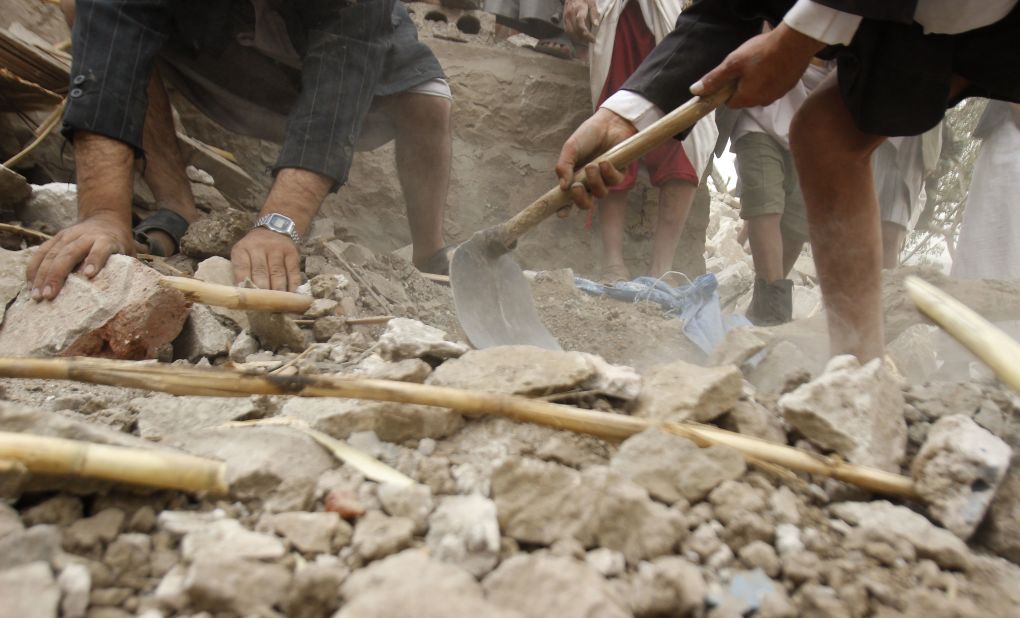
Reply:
x=105, y=169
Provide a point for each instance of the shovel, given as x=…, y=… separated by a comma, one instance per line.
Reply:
x=490, y=294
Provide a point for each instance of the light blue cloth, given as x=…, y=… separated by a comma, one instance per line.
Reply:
x=696, y=305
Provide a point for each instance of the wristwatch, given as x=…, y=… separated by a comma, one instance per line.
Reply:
x=281, y=224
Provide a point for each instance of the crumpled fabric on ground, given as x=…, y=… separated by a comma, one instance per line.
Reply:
x=696, y=305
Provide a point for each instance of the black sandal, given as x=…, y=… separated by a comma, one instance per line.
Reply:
x=166, y=221
x=439, y=262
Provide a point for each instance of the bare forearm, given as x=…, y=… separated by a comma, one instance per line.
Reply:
x=297, y=193
x=105, y=170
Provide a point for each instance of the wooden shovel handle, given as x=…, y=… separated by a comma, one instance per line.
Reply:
x=621, y=155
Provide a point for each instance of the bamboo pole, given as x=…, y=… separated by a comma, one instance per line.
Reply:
x=24, y=231
x=988, y=342
x=46, y=455
x=44, y=129
x=613, y=427
x=238, y=298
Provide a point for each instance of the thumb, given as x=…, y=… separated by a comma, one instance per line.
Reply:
x=712, y=81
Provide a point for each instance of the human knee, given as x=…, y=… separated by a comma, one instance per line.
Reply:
x=421, y=112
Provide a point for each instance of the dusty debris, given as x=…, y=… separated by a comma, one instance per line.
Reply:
x=14, y=189
x=122, y=313
x=854, y=410
x=406, y=339
x=51, y=208
x=463, y=530
x=681, y=391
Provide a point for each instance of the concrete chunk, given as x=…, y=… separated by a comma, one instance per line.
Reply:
x=681, y=391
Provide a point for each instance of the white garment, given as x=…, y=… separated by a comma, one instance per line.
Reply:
x=660, y=17
x=834, y=27
x=988, y=246
x=900, y=165
x=774, y=119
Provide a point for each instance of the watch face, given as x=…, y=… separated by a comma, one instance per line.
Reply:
x=278, y=223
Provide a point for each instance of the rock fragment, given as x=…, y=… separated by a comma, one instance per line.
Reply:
x=681, y=391
x=29, y=591
x=514, y=370
x=671, y=467
x=784, y=363
x=228, y=539
x=544, y=585
x=311, y=533
x=89, y=532
x=405, y=338
x=277, y=331
x=52, y=207
x=880, y=520
x=463, y=530
x=667, y=586
x=957, y=472
x=75, y=583
x=203, y=335
x=122, y=312
x=12, y=276
x=244, y=587
x=220, y=271
x=1001, y=530
x=391, y=422
x=915, y=353
x=14, y=189
x=377, y=536
x=854, y=410
x=411, y=501
x=160, y=416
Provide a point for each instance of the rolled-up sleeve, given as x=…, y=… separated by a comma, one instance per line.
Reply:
x=340, y=69
x=114, y=46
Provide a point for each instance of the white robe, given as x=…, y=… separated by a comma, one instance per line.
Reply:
x=660, y=17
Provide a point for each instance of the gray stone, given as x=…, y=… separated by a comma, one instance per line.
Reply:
x=681, y=391
x=60, y=510
x=784, y=361
x=160, y=416
x=243, y=346
x=543, y=585
x=204, y=335
x=1001, y=531
x=90, y=532
x=228, y=539
x=753, y=419
x=308, y=532
x=408, y=370
x=428, y=589
x=14, y=189
x=179, y=523
x=406, y=338
x=739, y=346
x=277, y=331
x=52, y=207
x=463, y=530
x=958, y=471
x=883, y=521
x=9, y=520
x=915, y=353
x=75, y=583
x=542, y=503
x=515, y=370
x=12, y=276
x=245, y=587
x=36, y=544
x=411, y=501
x=122, y=312
x=854, y=410
x=314, y=591
x=276, y=465
x=606, y=562
x=391, y=422
x=220, y=271
x=667, y=586
x=377, y=536
x=29, y=591
x=760, y=555
x=671, y=467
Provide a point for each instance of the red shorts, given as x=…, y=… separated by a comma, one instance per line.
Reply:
x=633, y=42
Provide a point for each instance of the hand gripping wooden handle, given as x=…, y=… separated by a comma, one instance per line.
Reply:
x=621, y=155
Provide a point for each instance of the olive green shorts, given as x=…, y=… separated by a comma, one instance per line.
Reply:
x=768, y=183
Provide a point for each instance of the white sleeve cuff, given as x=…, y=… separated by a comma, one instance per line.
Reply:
x=822, y=23
x=630, y=105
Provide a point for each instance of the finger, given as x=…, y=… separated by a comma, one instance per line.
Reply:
x=565, y=164
x=259, y=269
x=596, y=184
x=716, y=78
x=37, y=258
x=611, y=175
x=581, y=196
x=277, y=272
x=54, y=270
x=292, y=262
x=94, y=262
x=241, y=262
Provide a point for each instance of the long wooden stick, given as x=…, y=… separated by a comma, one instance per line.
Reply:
x=44, y=129
x=614, y=427
x=238, y=298
x=988, y=342
x=46, y=455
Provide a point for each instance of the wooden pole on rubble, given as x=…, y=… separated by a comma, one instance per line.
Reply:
x=614, y=427
x=989, y=343
x=149, y=468
x=231, y=297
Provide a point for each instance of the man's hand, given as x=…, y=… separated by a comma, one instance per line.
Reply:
x=596, y=135
x=89, y=243
x=580, y=19
x=766, y=67
x=269, y=259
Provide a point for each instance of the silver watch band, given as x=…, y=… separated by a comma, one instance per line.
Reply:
x=281, y=224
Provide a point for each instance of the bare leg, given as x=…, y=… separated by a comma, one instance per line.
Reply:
x=834, y=164
x=893, y=236
x=675, y=199
x=613, y=216
x=766, y=238
x=424, y=149
x=791, y=252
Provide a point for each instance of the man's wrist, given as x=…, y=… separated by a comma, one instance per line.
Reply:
x=799, y=43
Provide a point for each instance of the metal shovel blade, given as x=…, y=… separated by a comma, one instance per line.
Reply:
x=493, y=299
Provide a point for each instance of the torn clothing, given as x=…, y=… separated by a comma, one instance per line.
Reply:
x=318, y=63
